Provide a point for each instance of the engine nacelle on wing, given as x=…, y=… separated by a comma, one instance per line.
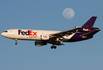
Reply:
x=40, y=43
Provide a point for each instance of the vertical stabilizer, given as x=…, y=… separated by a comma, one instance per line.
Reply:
x=90, y=22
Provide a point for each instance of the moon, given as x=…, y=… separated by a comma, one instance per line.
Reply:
x=68, y=13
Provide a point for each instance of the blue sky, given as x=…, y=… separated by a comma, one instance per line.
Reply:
x=47, y=15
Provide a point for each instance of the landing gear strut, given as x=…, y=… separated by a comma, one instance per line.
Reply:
x=16, y=41
x=53, y=47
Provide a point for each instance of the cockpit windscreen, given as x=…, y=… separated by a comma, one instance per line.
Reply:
x=5, y=31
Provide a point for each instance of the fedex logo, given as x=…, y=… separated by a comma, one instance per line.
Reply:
x=86, y=29
x=45, y=36
x=29, y=32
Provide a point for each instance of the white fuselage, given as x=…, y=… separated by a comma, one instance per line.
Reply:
x=26, y=34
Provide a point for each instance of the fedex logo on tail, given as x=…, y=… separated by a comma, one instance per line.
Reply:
x=29, y=32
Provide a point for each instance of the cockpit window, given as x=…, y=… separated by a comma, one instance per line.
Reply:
x=5, y=31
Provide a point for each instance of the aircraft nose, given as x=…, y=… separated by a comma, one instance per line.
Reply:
x=5, y=33
x=2, y=34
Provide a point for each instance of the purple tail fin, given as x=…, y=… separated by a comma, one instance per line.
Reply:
x=90, y=22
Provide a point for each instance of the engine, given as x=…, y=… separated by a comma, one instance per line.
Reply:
x=40, y=43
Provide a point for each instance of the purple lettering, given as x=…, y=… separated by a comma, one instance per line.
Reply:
x=19, y=32
x=23, y=32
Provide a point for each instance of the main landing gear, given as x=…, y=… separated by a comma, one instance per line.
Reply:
x=16, y=41
x=53, y=47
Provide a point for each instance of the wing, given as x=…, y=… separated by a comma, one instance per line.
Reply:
x=67, y=32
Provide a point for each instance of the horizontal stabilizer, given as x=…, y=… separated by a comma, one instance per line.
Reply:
x=91, y=33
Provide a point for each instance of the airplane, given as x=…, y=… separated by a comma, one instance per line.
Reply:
x=42, y=37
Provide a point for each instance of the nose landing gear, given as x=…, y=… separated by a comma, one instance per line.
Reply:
x=16, y=41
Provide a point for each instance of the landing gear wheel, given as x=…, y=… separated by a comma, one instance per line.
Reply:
x=53, y=47
x=15, y=43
